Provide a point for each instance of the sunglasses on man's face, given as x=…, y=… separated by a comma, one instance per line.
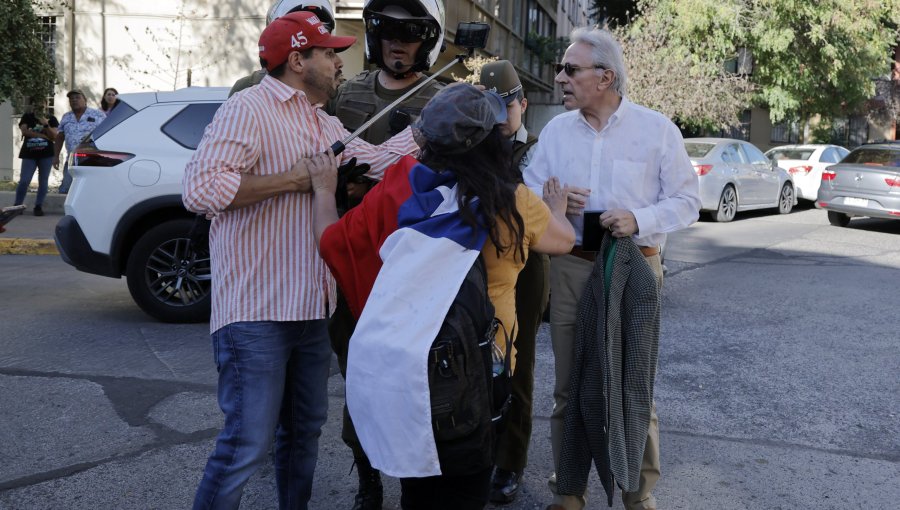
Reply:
x=572, y=69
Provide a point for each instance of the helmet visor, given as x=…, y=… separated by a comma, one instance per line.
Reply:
x=404, y=31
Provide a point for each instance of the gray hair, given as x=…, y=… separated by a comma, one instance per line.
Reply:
x=606, y=52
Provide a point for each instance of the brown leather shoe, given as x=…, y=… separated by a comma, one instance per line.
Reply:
x=555, y=507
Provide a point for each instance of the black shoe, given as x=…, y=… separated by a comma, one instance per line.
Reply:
x=38, y=211
x=371, y=492
x=504, y=486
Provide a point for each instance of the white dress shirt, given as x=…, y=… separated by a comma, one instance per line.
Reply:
x=636, y=162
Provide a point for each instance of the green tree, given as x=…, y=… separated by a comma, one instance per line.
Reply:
x=678, y=74
x=820, y=57
x=808, y=58
x=28, y=71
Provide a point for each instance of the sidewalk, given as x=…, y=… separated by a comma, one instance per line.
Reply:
x=28, y=234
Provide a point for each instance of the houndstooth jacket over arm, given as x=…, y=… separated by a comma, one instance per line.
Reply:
x=611, y=391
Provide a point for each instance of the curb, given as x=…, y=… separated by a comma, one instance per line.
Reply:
x=21, y=246
x=54, y=203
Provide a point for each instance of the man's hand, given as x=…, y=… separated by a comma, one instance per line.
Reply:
x=56, y=162
x=620, y=222
x=323, y=172
x=555, y=196
x=577, y=198
x=298, y=177
x=256, y=188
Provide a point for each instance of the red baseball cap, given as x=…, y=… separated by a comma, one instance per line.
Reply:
x=297, y=31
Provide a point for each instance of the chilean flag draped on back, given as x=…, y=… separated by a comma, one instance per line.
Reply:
x=399, y=258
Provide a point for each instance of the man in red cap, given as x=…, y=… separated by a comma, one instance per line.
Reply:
x=272, y=293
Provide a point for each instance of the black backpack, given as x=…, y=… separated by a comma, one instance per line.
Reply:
x=469, y=395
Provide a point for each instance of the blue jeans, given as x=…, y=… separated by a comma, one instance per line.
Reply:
x=28, y=166
x=67, y=178
x=273, y=379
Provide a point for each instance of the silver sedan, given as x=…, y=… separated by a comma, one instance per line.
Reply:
x=865, y=183
x=736, y=176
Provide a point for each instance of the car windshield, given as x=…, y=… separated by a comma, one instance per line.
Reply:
x=118, y=114
x=874, y=156
x=698, y=150
x=801, y=154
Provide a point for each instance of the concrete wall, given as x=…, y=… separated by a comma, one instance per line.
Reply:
x=761, y=129
x=538, y=115
x=143, y=46
x=156, y=45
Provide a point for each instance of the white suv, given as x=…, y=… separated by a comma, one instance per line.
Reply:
x=124, y=214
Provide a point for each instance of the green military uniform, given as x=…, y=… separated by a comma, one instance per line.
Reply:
x=247, y=81
x=361, y=97
x=532, y=294
x=357, y=100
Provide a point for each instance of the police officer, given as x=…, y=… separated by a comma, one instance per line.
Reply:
x=532, y=293
x=323, y=10
x=403, y=39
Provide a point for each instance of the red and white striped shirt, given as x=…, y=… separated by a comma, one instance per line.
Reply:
x=265, y=265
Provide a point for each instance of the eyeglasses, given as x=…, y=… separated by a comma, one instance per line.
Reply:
x=571, y=69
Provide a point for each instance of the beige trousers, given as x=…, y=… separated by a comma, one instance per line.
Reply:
x=568, y=275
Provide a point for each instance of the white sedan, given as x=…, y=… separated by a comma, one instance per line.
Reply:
x=805, y=164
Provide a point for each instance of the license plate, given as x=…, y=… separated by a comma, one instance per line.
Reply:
x=856, y=202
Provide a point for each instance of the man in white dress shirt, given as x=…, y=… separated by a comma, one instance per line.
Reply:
x=623, y=159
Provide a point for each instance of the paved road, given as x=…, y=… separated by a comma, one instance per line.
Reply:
x=778, y=384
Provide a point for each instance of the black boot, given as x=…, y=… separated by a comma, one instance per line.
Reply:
x=371, y=492
x=504, y=486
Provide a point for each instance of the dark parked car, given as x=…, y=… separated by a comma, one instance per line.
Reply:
x=865, y=183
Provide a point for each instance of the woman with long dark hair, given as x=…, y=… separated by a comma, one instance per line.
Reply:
x=464, y=181
x=109, y=100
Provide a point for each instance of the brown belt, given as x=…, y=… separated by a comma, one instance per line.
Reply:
x=647, y=251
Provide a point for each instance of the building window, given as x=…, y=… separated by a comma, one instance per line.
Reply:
x=48, y=37
x=786, y=132
x=491, y=6
x=839, y=131
x=541, y=31
x=740, y=131
x=850, y=131
x=857, y=131
x=46, y=31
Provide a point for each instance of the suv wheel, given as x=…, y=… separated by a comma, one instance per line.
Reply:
x=168, y=276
